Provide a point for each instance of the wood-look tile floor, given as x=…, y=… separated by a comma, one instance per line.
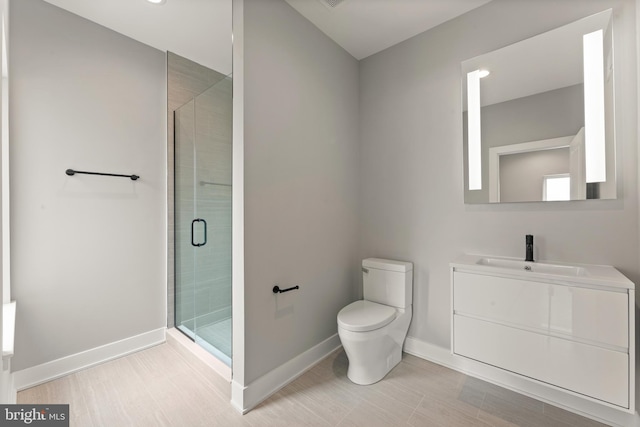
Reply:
x=167, y=386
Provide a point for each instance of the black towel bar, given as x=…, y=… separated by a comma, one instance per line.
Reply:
x=72, y=172
x=277, y=290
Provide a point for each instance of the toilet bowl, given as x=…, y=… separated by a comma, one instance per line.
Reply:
x=373, y=330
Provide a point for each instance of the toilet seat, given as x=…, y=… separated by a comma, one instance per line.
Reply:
x=363, y=316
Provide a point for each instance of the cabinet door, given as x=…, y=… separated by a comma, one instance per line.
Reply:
x=593, y=371
x=509, y=301
x=593, y=316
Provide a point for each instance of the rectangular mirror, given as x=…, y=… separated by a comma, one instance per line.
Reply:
x=538, y=117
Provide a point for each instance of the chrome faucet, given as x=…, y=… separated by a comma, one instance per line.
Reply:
x=529, y=247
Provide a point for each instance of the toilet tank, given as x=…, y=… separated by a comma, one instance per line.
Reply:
x=388, y=282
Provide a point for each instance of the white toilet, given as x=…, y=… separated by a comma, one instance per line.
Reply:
x=373, y=330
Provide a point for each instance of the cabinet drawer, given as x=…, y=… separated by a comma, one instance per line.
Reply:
x=593, y=371
x=591, y=315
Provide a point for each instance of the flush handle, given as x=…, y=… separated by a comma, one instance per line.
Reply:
x=365, y=270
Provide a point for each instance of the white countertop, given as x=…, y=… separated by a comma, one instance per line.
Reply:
x=548, y=271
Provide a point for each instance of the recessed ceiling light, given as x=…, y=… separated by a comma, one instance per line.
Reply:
x=481, y=73
x=157, y=1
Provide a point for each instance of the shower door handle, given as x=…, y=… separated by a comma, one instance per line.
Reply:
x=193, y=243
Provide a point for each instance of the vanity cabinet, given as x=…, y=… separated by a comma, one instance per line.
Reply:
x=574, y=333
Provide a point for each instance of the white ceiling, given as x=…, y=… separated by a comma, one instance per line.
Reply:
x=365, y=27
x=201, y=29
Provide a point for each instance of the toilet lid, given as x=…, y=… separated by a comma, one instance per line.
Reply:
x=362, y=316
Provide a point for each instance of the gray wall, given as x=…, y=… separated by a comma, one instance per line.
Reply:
x=412, y=164
x=88, y=253
x=301, y=183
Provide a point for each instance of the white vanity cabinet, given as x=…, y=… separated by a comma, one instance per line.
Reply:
x=569, y=328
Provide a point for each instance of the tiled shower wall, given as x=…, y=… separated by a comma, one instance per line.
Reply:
x=185, y=80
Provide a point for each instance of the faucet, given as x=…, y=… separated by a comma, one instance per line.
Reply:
x=529, y=247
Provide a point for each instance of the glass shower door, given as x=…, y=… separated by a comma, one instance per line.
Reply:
x=203, y=219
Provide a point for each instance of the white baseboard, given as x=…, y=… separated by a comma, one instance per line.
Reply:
x=245, y=398
x=39, y=374
x=8, y=392
x=545, y=393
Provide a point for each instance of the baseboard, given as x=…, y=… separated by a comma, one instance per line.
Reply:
x=545, y=393
x=39, y=374
x=8, y=392
x=245, y=398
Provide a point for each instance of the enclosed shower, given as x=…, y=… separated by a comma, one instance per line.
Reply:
x=202, y=218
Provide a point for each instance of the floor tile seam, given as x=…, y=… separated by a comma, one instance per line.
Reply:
x=415, y=409
x=484, y=396
x=479, y=410
x=345, y=416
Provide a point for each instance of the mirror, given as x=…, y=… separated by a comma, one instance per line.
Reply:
x=538, y=117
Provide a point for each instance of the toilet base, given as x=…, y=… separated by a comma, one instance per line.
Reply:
x=373, y=373
x=373, y=354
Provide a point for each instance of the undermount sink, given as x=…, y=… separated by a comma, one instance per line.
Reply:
x=534, y=267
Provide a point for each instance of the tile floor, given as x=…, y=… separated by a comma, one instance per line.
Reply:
x=167, y=386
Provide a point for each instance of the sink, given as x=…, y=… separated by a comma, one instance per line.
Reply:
x=534, y=267
x=543, y=271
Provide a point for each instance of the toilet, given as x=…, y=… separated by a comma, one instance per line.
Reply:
x=373, y=329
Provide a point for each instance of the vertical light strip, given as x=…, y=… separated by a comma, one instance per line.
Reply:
x=594, y=129
x=474, y=157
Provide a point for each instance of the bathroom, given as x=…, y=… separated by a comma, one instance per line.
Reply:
x=335, y=160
